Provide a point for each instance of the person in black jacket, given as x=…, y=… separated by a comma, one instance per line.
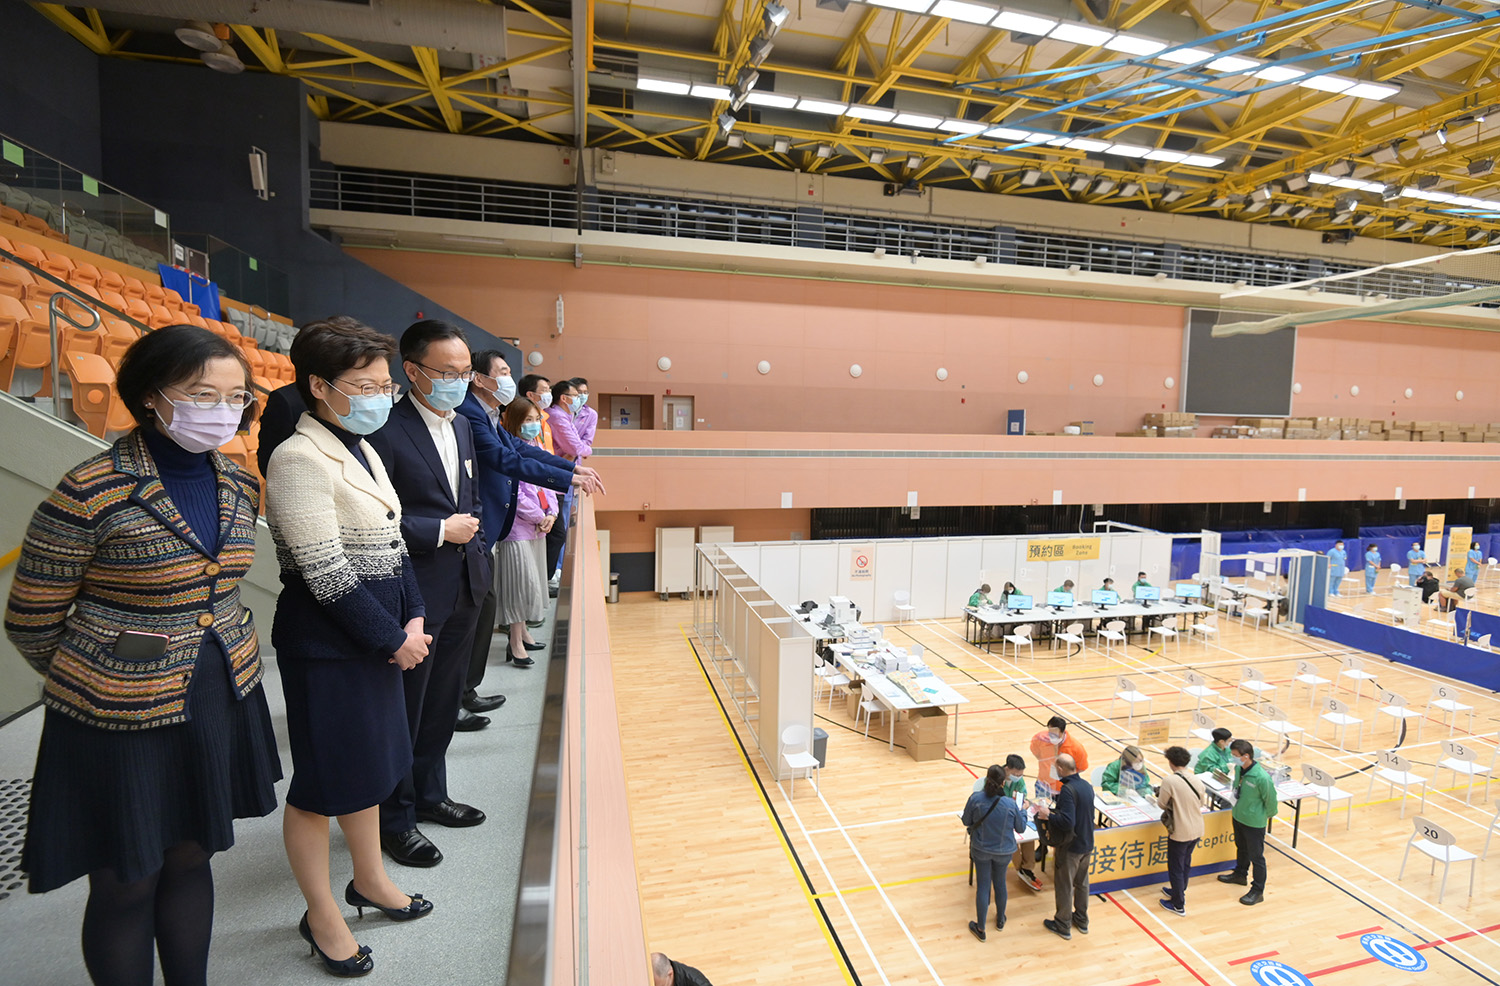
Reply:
x=1070, y=828
x=665, y=972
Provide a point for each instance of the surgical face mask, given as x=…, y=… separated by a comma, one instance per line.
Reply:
x=544, y=401
x=505, y=389
x=581, y=400
x=446, y=394
x=366, y=416
x=1055, y=739
x=201, y=429
x=530, y=430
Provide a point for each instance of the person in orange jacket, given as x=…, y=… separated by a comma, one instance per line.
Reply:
x=1045, y=746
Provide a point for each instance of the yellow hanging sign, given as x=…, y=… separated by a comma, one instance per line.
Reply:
x=1063, y=549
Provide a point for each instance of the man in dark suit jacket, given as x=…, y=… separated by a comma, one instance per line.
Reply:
x=431, y=465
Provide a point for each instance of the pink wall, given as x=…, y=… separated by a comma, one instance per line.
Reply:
x=716, y=327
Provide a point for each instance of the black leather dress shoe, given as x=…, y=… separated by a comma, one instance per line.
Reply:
x=520, y=662
x=468, y=722
x=534, y=645
x=484, y=703
x=552, y=592
x=451, y=814
x=410, y=848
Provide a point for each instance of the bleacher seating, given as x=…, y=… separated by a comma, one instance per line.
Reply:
x=20, y=208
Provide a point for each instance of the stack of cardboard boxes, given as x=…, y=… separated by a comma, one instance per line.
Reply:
x=1167, y=424
x=923, y=732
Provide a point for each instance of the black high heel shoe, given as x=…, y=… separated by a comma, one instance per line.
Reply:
x=417, y=908
x=358, y=964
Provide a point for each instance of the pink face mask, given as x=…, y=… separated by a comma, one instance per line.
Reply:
x=201, y=429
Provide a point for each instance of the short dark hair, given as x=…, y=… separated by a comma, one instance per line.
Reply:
x=580, y=382
x=1241, y=748
x=1058, y=723
x=419, y=335
x=994, y=781
x=484, y=360
x=562, y=388
x=1177, y=756
x=1015, y=762
x=1140, y=575
x=1220, y=733
x=529, y=381
x=169, y=356
x=332, y=348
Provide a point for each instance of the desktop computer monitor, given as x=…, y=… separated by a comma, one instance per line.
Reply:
x=1060, y=600
x=1106, y=597
x=1016, y=601
x=1146, y=593
x=1189, y=590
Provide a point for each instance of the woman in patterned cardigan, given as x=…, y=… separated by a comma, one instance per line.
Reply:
x=156, y=734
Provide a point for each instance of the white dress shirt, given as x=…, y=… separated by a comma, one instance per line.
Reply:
x=440, y=426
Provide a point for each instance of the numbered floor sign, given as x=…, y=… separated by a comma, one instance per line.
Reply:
x=1268, y=972
x=1394, y=952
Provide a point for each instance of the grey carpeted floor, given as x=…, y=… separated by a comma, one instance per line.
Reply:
x=465, y=940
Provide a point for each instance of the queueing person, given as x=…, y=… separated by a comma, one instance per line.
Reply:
x=1254, y=807
x=1416, y=562
x=152, y=743
x=349, y=631
x=1472, y=561
x=993, y=820
x=1128, y=770
x=431, y=466
x=1015, y=787
x=1070, y=827
x=1372, y=568
x=1338, y=567
x=1185, y=799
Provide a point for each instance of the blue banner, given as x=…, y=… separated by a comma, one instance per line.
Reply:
x=194, y=289
x=1410, y=647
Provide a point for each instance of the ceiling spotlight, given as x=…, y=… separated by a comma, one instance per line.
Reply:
x=1219, y=202
x=1390, y=193
x=1476, y=236
x=980, y=261
x=1160, y=275
x=1261, y=194
x=1281, y=209
x=1296, y=183
x=913, y=160
x=781, y=144
x=1406, y=226
x=1340, y=169
x=223, y=60
x=1346, y=203
x=825, y=151
x=198, y=35
x=877, y=156
x=748, y=78
x=1130, y=188
x=772, y=17
x=878, y=253
x=1385, y=154
x=1434, y=140
x=1170, y=194
x=726, y=122
x=1074, y=268
x=1435, y=229
x=1238, y=285
x=1030, y=177
x=1104, y=186
x=1339, y=218
x=1256, y=206
x=1303, y=212
x=735, y=140
x=981, y=170
x=1425, y=182
x=1078, y=183
x=1478, y=169
x=760, y=49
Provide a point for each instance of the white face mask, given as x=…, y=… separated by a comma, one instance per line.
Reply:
x=544, y=401
x=199, y=429
x=1055, y=739
x=505, y=389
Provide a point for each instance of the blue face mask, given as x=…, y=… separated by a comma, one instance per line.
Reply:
x=366, y=416
x=579, y=401
x=531, y=429
x=446, y=394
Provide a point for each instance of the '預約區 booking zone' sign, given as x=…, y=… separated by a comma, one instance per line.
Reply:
x=1129, y=856
x=1063, y=549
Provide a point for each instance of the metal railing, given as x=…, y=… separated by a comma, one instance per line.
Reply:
x=776, y=223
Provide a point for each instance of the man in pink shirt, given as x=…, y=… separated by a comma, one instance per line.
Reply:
x=588, y=419
x=566, y=443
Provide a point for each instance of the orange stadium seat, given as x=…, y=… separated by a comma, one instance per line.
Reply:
x=173, y=300
x=161, y=317
x=57, y=264
x=93, y=386
x=156, y=294
x=12, y=314
x=191, y=308
x=9, y=215
x=111, y=280
x=132, y=287
x=86, y=275
x=15, y=280
x=197, y=320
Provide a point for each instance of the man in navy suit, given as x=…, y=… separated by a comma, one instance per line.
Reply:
x=502, y=460
x=431, y=465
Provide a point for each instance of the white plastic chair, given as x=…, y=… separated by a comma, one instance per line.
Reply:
x=1396, y=571
x=868, y=706
x=1493, y=568
x=1276, y=721
x=1113, y=633
x=797, y=755
x=1307, y=674
x=835, y=680
x=1445, y=698
x=1325, y=788
x=1165, y=632
x=1257, y=612
x=1494, y=821
x=1480, y=643
x=1021, y=635
x=1203, y=727
x=1463, y=759
x=1196, y=689
x=917, y=651
x=1432, y=840
x=1073, y=634
x=1125, y=691
x=1353, y=667
x=904, y=609
x=1337, y=713
x=1395, y=770
x=1255, y=680
x=1207, y=628
x=1394, y=705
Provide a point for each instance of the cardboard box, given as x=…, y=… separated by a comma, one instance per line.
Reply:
x=1299, y=423
x=1261, y=422
x=923, y=726
x=1084, y=427
x=1398, y=435
x=922, y=752
x=855, y=697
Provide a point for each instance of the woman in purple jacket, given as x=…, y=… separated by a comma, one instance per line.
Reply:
x=522, y=556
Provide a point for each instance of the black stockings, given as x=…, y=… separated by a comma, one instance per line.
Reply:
x=172, y=911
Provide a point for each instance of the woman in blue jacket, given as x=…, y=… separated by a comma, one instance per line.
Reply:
x=994, y=820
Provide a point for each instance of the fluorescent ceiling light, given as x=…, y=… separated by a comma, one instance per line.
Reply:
x=1088, y=144
x=956, y=126
x=776, y=99
x=1349, y=183
x=1040, y=136
x=808, y=105
x=918, y=120
x=1186, y=56
x=959, y=10
x=1006, y=133
x=877, y=113
x=1129, y=150
x=1080, y=34
x=710, y=92
x=1132, y=45
x=1232, y=63
x=669, y=86
x=913, y=6
x=1057, y=141
x=1174, y=157
x=1203, y=160
x=1019, y=23
x=1326, y=83
x=1319, y=178
x=1371, y=90
x=1279, y=73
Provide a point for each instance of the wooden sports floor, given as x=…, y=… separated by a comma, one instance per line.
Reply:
x=867, y=881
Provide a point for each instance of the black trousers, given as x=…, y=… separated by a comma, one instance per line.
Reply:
x=1250, y=854
x=484, y=630
x=433, y=691
x=1179, y=861
x=558, y=536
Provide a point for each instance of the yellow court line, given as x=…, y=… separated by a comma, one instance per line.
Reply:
x=894, y=883
x=812, y=899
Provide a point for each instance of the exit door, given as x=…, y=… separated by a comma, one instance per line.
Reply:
x=677, y=413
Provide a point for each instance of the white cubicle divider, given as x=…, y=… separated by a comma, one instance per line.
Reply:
x=941, y=573
x=763, y=656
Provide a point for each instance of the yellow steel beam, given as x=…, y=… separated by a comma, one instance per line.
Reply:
x=264, y=48
x=432, y=75
x=607, y=115
x=497, y=114
x=96, y=41
x=395, y=68
x=358, y=101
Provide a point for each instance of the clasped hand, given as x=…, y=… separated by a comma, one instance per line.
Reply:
x=414, y=651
